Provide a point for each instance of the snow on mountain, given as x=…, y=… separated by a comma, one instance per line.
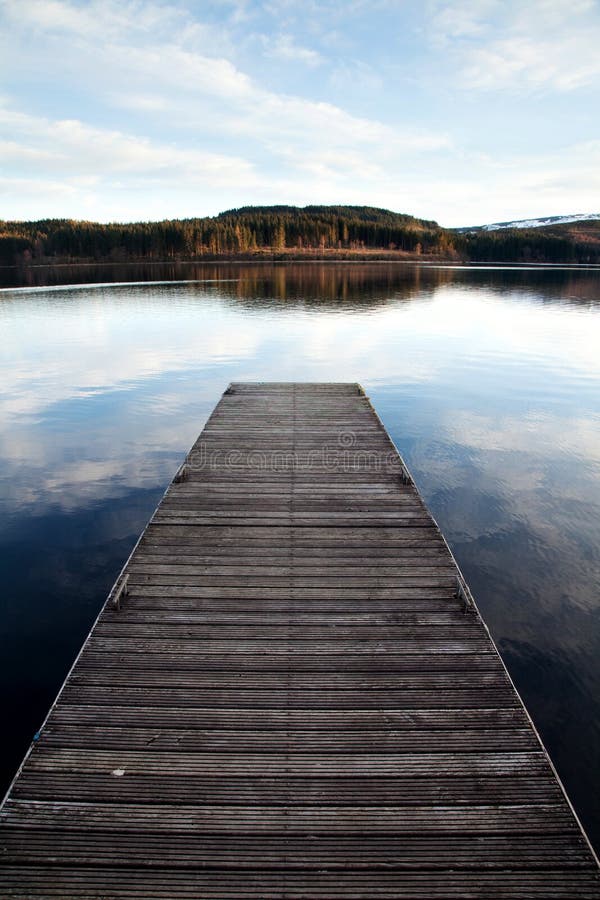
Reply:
x=538, y=223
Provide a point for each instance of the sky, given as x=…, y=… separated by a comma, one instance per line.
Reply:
x=466, y=112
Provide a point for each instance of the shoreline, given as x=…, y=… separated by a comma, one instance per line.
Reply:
x=274, y=258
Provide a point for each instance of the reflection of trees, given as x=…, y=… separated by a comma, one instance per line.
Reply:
x=308, y=284
x=335, y=284
x=332, y=284
x=542, y=285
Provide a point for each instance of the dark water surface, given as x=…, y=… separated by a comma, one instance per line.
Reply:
x=487, y=379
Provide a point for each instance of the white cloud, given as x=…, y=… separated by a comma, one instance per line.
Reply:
x=356, y=76
x=33, y=187
x=73, y=148
x=187, y=87
x=466, y=19
x=149, y=109
x=285, y=47
x=267, y=141
x=518, y=62
x=106, y=19
x=70, y=168
x=541, y=44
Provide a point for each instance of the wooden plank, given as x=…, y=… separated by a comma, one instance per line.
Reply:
x=199, y=591
x=328, y=791
x=308, y=681
x=420, y=569
x=338, y=723
x=267, y=885
x=387, y=819
x=295, y=619
x=120, y=695
x=291, y=700
x=124, y=737
x=229, y=660
x=466, y=852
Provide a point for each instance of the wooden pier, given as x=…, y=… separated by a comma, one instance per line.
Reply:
x=290, y=694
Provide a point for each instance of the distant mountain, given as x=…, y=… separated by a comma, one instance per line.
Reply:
x=531, y=223
x=550, y=239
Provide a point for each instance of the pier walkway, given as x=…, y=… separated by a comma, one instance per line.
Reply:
x=289, y=694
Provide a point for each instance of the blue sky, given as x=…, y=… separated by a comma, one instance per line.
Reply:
x=465, y=112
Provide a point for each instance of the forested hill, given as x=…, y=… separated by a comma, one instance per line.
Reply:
x=289, y=231
x=248, y=230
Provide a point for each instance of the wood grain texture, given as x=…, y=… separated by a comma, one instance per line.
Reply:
x=291, y=700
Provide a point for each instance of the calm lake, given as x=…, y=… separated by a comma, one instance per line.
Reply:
x=488, y=381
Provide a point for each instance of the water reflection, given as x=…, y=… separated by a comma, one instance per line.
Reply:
x=487, y=380
x=324, y=283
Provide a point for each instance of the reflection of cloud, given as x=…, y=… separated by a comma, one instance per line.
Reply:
x=70, y=468
x=519, y=496
x=545, y=434
x=129, y=373
x=103, y=346
x=510, y=326
x=98, y=349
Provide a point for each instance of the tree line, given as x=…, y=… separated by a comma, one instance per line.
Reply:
x=284, y=230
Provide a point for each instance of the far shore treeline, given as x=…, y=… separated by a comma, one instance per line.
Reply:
x=289, y=232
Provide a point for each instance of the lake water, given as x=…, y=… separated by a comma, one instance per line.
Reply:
x=488, y=381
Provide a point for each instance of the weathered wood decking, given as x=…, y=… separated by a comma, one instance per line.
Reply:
x=290, y=700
